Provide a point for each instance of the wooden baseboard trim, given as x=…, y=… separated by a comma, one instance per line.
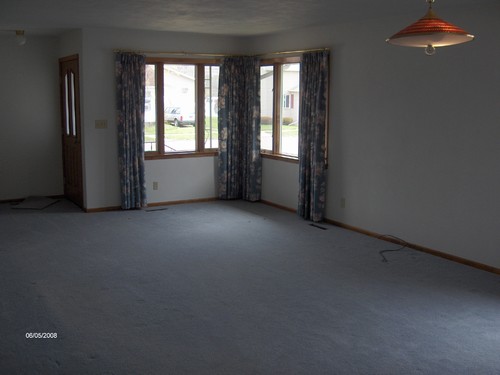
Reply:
x=171, y=203
x=156, y=204
x=18, y=200
x=423, y=249
x=275, y=205
x=11, y=200
x=102, y=209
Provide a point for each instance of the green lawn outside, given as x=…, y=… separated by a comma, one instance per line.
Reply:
x=287, y=131
x=187, y=132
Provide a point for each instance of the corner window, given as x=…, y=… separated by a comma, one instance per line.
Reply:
x=181, y=107
x=280, y=94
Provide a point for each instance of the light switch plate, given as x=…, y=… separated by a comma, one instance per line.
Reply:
x=101, y=124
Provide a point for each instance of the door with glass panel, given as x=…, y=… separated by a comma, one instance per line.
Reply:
x=71, y=129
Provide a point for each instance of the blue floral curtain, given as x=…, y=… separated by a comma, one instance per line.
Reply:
x=240, y=164
x=314, y=77
x=130, y=93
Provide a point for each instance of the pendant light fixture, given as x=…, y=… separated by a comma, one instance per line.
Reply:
x=430, y=32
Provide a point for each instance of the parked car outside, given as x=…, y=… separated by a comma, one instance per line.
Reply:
x=177, y=117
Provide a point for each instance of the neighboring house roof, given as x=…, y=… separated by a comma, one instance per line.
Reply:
x=179, y=73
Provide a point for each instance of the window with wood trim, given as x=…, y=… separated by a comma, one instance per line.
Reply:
x=181, y=107
x=280, y=94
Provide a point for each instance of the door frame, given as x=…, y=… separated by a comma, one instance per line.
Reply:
x=71, y=134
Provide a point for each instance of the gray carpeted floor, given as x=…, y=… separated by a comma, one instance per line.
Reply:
x=232, y=288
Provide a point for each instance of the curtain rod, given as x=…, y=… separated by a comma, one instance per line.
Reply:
x=293, y=52
x=184, y=53
x=180, y=53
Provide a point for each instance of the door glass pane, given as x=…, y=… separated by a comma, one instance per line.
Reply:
x=179, y=107
x=150, y=119
x=266, y=107
x=73, y=104
x=211, y=106
x=289, y=117
x=66, y=104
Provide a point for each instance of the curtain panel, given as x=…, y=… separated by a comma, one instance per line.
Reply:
x=130, y=94
x=240, y=163
x=314, y=77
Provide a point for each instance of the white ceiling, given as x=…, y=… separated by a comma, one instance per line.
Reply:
x=228, y=17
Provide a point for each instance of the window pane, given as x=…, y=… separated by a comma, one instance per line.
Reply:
x=66, y=103
x=289, y=121
x=150, y=110
x=179, y=107
x=73, y=104
x=211, y=107
x=266, y=107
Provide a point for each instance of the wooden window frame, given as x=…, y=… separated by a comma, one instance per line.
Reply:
x=277, y=64
x=200, y=150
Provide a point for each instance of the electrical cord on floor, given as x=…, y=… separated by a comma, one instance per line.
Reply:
x=403, y=244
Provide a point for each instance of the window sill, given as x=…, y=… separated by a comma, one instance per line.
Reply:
x=179, y=155
x=182, y=155
x=286, y=158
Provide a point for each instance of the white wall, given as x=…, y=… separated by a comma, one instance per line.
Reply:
x=280, y=182
x=414, y=140
x=30, y=136
x=181, y=179
x=101, y=167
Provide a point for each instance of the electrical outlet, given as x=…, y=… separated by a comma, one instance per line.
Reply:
x=342, y=202
x=155, y=185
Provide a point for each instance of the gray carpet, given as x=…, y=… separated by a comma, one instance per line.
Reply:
x=232, y=288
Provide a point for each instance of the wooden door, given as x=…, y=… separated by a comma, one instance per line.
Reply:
x=71, y=129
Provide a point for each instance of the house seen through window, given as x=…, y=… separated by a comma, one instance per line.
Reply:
x=181, y=113
x=181, y=107
x=280, y=106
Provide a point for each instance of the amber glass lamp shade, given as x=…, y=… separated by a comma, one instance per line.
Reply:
x=429, y=32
